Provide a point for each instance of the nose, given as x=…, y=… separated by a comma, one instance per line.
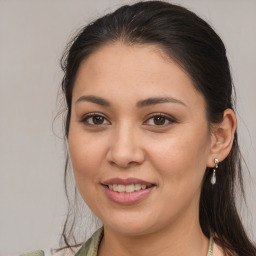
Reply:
x=125, y=148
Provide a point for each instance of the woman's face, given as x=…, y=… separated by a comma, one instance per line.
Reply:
x=137, y=121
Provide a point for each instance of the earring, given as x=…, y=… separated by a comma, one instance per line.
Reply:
x=213, y=178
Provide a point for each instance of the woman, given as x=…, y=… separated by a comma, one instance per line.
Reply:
x=151, y=131
x=152, y=135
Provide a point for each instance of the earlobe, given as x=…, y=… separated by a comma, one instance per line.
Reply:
x=222, y=137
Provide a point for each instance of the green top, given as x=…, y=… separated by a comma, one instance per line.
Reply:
x=90, y=248
x=34, y=253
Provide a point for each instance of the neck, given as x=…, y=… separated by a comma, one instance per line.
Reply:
x=179, y=239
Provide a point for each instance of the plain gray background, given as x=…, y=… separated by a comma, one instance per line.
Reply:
x=33, y=34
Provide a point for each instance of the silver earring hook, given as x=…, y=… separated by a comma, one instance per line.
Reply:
x=216, y=161
x=213, y=178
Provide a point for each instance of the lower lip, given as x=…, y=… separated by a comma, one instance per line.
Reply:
x=127, y=198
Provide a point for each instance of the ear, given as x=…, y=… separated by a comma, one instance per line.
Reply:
x=222, y=137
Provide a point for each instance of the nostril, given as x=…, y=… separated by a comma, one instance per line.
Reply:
x=123, y=164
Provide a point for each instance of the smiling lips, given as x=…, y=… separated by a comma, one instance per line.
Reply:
x=126, y=188
x=127, y=191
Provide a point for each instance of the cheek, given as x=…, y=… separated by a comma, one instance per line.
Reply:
x=181, y=158
x=87, y=160
x=87, y=154
x=180, y=162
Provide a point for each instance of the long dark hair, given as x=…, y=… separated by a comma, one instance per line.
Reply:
x=195, y=46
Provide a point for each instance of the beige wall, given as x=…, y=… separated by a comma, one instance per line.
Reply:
x=33, y=34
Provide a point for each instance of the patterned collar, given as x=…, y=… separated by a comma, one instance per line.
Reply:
x=90, y=248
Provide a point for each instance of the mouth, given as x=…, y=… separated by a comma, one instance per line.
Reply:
x=130, y=188
x=127, y=191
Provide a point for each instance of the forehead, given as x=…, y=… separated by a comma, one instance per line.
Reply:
x=133, y=72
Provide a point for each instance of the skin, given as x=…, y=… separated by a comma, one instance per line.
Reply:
x=130, y=143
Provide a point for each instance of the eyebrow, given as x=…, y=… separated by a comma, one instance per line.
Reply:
x=158, y=100
x=94, y=99
x=140, y=104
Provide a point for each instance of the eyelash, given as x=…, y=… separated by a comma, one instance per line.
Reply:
x=166, y=117
x=86, y=117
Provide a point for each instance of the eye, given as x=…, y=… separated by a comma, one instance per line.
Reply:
x=94, y=119
x=160, y=120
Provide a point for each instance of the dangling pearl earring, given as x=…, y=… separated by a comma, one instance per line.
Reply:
x=213, y=178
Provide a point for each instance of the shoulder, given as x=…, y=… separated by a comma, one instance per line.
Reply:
x=64, y=252
x=218, y=251
x=89, y=248
x=34, y=253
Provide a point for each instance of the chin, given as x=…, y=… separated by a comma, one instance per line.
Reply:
x=131, y=225
x=130, y=230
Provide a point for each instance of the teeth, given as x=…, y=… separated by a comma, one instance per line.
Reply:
x=126, y=188
x=129, y=188
x=121, y=188
x=137, y=187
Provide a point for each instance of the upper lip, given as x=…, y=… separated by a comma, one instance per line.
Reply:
x=127, y=181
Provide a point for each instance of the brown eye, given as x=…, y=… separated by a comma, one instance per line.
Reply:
x=97, y=120
x=94, y=119
x=159, y=120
